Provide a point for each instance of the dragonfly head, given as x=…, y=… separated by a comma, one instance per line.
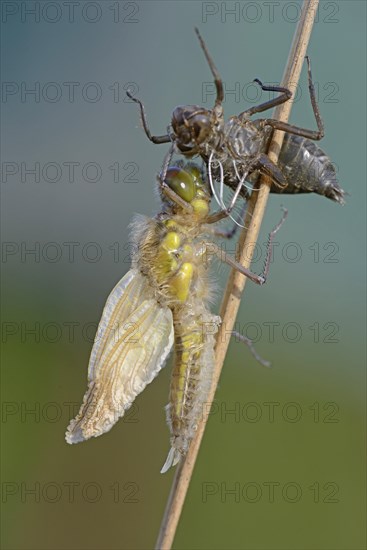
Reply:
x=192, y=126
x=188, y=184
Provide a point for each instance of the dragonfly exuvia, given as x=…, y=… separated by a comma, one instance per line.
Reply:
x=235, y=150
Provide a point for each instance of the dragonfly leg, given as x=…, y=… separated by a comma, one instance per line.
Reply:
x=258, y=279
x=315, y=106
x=217, y=79
x=218, y=216
x=226, y=212
x=304, y=132
x=285, y=95
x=251, y=346
x=217, y=251
x=272, y=234
x=230, y=233
x=155, y=139
x=268, y=168
x=226, y=234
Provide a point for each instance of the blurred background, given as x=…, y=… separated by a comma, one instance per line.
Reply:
x=282, y=464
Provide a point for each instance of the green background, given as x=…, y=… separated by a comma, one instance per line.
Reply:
x=312, y=450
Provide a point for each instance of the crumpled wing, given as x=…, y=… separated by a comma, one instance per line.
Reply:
x=133, y=340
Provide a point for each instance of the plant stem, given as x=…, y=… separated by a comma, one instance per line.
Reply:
x=236, y=282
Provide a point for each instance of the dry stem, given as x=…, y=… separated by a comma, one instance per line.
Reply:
x=236, y=281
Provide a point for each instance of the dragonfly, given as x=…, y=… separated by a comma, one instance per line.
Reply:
x=159, y=305
x=235, y=150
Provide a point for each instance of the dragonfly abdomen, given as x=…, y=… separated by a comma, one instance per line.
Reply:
x=307, y=169
x=195, y=329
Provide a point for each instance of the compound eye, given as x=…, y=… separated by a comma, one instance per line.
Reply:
x=177, y=119
x=201, y=125
x=180, y=116
x=184, y=135
x=182, y=183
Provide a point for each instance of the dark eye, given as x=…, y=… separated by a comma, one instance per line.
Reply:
x=201, y=126
x=192, y=126
x=181, y=182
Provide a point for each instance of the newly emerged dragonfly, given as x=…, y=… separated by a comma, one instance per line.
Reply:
x=235, y=151
x=160, y=304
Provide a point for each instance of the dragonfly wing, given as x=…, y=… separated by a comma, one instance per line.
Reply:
x=134, y=338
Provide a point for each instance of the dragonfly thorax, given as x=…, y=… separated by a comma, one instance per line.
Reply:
x=245, y=139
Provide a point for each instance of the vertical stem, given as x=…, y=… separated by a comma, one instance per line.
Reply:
x=236, y=281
